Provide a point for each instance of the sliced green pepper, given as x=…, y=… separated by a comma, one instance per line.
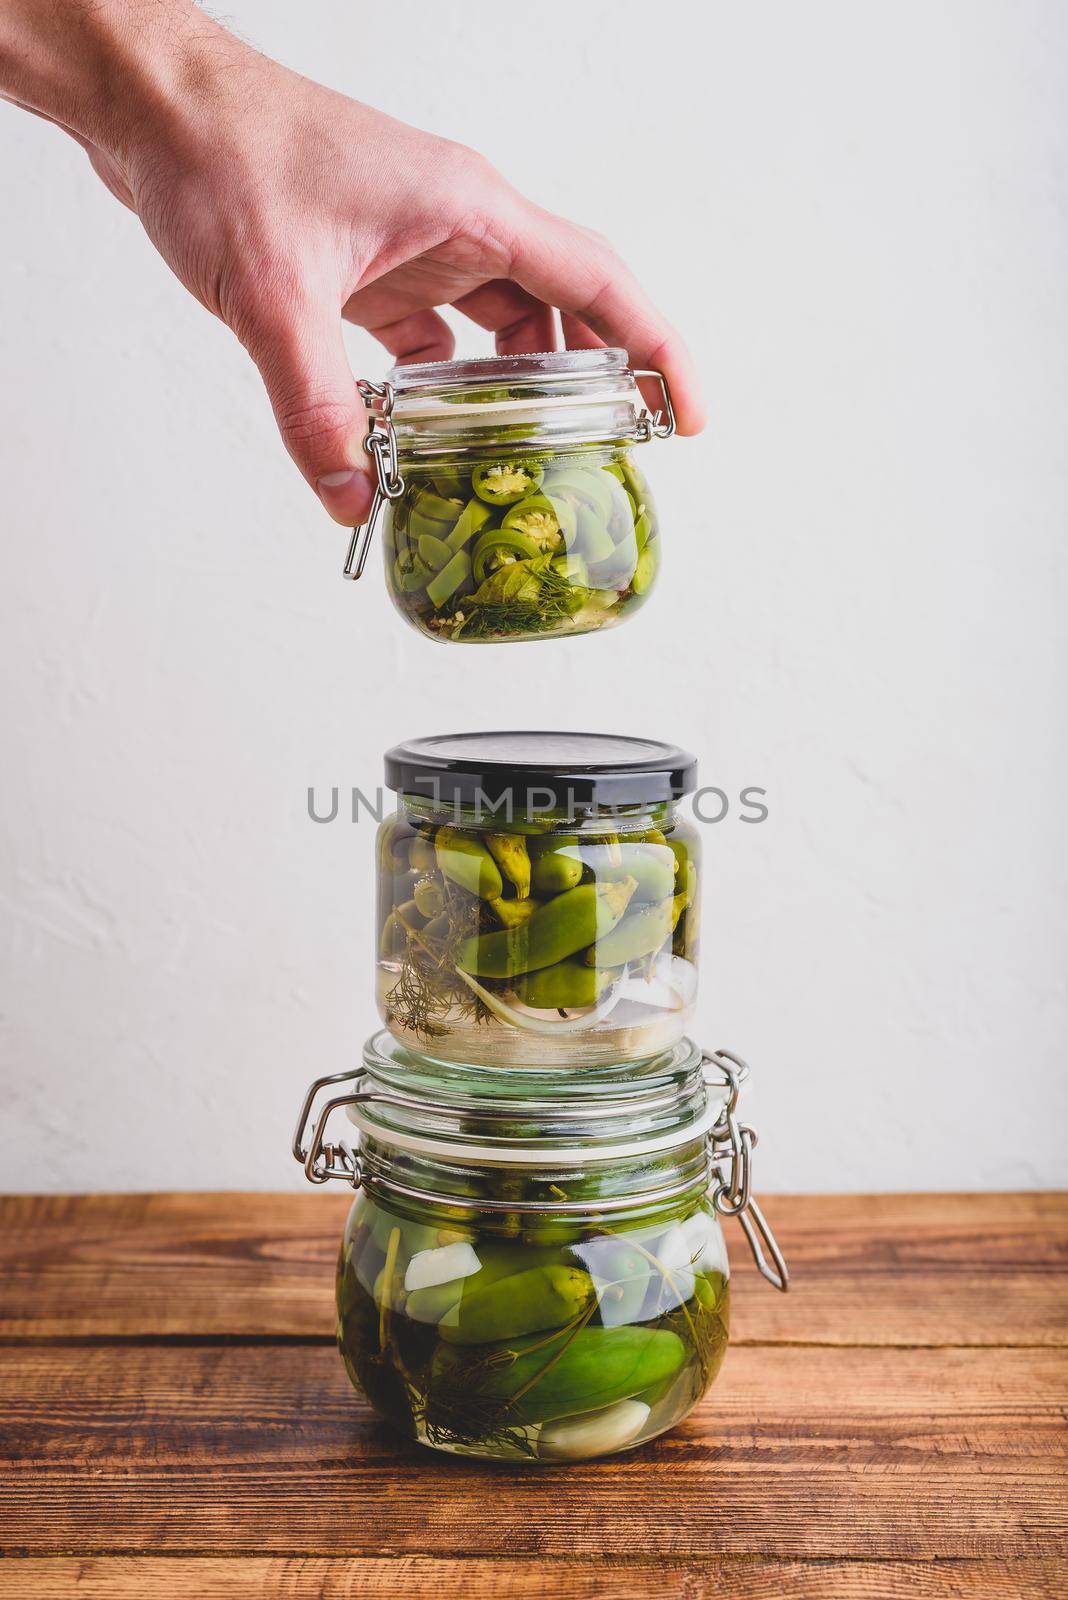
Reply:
x=472, y=520
x=573, y=568
x=643, y=528
x=445, y=583
x=432, y=514
x=645, y=571
x=594, y=542
x=450, y=484
x=503, y=483
x=543, y=520
x=586, y=485
x=433, y=552
x=410, y=574
x=497, y=544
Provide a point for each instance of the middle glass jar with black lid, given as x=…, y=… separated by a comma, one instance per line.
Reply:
x=538, y=899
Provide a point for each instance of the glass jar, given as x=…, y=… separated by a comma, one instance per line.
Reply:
x=510, y=503
x=538, y=898
x=537, y=1282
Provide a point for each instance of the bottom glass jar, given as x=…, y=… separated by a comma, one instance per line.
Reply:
x=529, y=1281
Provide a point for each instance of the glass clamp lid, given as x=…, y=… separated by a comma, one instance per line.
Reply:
x=553, y=399
x=473, y=1132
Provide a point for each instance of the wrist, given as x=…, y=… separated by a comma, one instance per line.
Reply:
x=102, y=67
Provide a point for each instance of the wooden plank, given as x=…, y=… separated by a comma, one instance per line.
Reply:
x=861, y=1454
x=219, y=1578
x=976, y=1270
x=169, y=1264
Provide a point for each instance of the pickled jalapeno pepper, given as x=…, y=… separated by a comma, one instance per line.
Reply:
x=479, y=1343
x=524, y=548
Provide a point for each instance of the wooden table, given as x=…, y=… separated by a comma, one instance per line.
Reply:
x=174, y=1421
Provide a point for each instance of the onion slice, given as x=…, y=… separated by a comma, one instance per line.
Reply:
x=530, y=1024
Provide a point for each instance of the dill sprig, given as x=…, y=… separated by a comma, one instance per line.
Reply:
x=428, y=996
x=557, y=599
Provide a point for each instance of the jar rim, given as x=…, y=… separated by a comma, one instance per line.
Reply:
x=420, y=377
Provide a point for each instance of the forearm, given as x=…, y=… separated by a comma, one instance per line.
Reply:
x=99, y=67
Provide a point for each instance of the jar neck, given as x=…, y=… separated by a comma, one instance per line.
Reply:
x=639, y=1186
x=524, y=813
x=608, y=1146
x=549, y=400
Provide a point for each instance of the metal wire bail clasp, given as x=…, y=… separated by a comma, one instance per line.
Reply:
x=732, y=1156
x=322, y=1161
x=656, y=424
x=381, y=446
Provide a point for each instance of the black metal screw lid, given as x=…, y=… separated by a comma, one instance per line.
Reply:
x=539, y=771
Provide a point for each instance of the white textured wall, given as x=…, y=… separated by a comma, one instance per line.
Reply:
x=857, y=213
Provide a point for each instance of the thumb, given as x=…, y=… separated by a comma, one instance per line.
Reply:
x=320, y=416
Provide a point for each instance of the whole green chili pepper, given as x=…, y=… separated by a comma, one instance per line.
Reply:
x=429, y=896
x=509, y=850
x=467, y=862
x=553, y=871
x=642, y=933
x=514, y=912
x=422, y=854
x=652, y=866
x=526, y=1302
x=572, y=1373
x=566, y=986
x=568, y=923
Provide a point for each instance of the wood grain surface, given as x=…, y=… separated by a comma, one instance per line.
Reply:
x=174, y=1420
